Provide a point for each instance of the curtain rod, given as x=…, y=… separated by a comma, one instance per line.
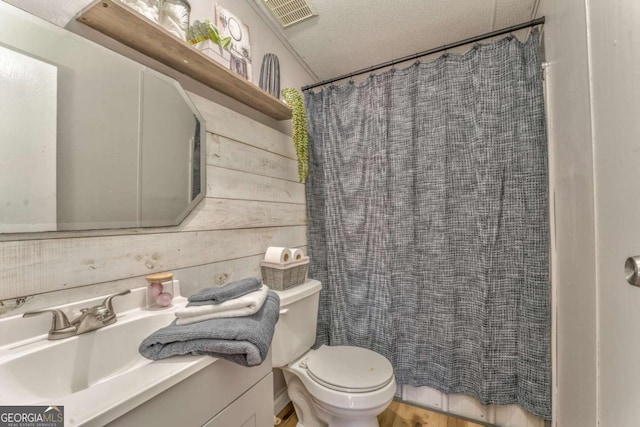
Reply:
x=535, y=22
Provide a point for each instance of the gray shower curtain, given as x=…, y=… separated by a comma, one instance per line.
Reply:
x=428, y=222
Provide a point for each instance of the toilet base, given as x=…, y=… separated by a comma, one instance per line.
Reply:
x=302, y=402
x=337, y=417
x=372, y=422
x=313, y=413
x=360, y=423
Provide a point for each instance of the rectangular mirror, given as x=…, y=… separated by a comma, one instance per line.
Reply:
x=90, y=139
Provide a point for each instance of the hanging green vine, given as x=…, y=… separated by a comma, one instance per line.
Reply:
x=293, y=98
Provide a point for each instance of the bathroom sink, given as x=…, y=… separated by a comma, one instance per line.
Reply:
x=96, y=376
x=52, y=369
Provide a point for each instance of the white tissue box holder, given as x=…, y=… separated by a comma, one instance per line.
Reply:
x=280, y=276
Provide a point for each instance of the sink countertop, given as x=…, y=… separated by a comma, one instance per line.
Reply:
x=75, y=372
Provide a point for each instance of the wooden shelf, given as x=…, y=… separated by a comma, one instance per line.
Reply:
x=122, y=23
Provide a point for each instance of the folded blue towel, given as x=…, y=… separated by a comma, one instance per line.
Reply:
x=226, y=292
x=243, y=340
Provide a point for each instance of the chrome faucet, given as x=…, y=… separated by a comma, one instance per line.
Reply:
x=90, y=319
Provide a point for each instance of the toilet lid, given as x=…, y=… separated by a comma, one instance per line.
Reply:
x=349, y=369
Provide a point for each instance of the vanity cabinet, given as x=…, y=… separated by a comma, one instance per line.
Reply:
x=222, y=394
x=249, y=410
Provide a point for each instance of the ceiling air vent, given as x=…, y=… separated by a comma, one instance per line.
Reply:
x=289, y=12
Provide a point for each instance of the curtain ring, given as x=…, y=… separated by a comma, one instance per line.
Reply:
x=510, y=36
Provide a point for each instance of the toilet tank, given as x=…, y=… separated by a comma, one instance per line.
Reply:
x=295, y=331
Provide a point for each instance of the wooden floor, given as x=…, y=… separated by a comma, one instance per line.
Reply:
x=397, y=415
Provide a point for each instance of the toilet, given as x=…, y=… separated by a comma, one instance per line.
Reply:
x=338, y=386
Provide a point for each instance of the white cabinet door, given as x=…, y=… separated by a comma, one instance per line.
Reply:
x=253, y=409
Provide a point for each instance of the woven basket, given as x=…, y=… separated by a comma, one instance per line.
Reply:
x=282, y=276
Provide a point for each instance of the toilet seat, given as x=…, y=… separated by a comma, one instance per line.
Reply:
x=349, y=369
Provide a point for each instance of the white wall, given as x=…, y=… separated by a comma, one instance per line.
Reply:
x=615, y=65
x=573, y=246
x=593, y=78
x=263, y=40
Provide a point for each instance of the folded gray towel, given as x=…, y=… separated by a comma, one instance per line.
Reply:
x=226, y=292
x=243, y=340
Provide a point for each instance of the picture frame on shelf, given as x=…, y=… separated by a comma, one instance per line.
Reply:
x=229, y=25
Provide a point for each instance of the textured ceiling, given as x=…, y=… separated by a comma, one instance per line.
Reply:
x=348, y=35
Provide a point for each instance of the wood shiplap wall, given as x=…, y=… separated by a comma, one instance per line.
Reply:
x=254, y=200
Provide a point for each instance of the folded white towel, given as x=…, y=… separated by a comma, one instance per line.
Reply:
x=245, y=305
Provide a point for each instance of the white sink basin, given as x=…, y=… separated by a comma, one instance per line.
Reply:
x=52, y=369
x=96, y=376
